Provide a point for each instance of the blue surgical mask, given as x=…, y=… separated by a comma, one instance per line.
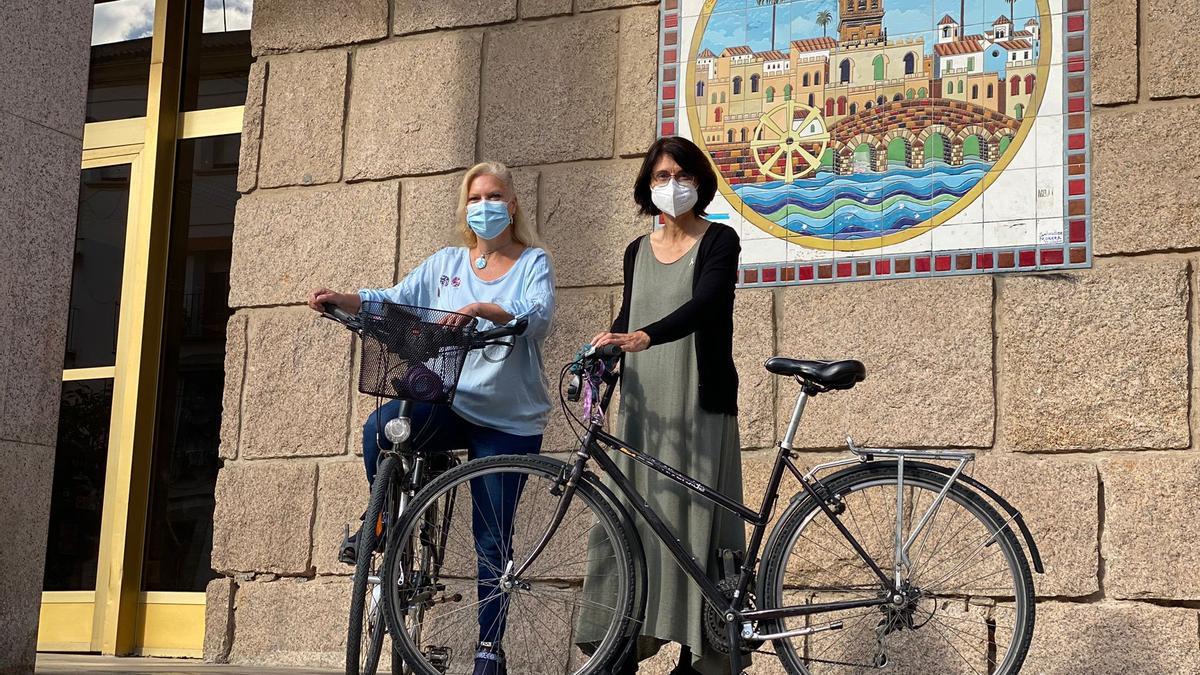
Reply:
x=488, y=218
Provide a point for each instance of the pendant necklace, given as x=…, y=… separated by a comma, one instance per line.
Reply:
x=482, y=261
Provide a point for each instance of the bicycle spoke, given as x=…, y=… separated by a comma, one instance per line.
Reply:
x=933, y=627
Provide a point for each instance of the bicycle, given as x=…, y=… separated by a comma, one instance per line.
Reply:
x=938, y=583
x=412, y=354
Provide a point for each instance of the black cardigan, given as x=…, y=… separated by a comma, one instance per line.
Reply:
x=709, y=314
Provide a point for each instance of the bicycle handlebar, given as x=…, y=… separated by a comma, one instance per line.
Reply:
x=608, y=352
x=488, y=336
x=335, y=313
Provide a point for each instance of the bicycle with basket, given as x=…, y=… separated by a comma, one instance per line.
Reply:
x=414, y=355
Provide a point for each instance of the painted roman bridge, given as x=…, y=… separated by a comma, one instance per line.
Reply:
x=915, y=123
x=941, y=126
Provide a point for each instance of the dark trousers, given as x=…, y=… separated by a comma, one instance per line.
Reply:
x=493, y=498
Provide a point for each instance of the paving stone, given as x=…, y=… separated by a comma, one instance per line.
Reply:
x=637, y=81
x=231, y=398
x=1114, y=51
x=263, y=516
x=532, y=9
x=422, y=15
x=218, y=619
x=414, y=106
x=1058, y=498
x=297, y=390
x=578, y=316
x=588, y=243
x=271, y=632
x=1172, y=65
x=1113, y=637
x=1095, y=359
x=753, y=344
x=1150, y=527
x=288, y=242
x=929, y=371
x=293, y=25
x=252, y=119
x=302, y=120
x=1135, y=210
x=530, y=91
x=342, y=495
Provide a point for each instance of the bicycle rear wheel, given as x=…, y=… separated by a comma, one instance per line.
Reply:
x=967, y=602
x=368, y=623
x=547, y=620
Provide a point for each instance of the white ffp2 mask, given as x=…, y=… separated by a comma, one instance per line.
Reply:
x=672, y=198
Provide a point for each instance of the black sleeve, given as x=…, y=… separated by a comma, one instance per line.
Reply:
x=713, y=290
x=621, y=323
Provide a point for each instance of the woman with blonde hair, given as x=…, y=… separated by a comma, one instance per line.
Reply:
x=499, y=274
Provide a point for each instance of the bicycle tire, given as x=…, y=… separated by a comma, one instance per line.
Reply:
x=366, y=554
x=616, y=634
x=804, y=508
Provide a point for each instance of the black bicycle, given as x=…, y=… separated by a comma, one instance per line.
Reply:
x=413, y=354
x=889, y=559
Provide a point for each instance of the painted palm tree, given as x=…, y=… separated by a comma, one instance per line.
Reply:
x=824, y=18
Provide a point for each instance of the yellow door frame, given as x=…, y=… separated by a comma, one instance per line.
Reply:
x=118, y=617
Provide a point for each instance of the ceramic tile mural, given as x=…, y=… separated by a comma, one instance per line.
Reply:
x=859, y=139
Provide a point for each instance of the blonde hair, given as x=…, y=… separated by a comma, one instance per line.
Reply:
x=522, y=231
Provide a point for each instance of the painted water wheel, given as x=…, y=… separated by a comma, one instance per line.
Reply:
x=794, y=132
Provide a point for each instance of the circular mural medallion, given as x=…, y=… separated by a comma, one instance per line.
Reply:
x=841, y=136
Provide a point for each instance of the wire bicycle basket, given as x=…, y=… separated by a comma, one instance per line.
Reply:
x=412, y=353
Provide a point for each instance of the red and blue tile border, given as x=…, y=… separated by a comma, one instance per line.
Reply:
x=1074, y=253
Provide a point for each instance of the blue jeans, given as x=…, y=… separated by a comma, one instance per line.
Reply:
x=493, y=498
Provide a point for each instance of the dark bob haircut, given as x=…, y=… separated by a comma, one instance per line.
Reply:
x=690, y=159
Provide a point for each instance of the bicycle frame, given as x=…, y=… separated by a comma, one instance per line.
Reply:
x=597, y=439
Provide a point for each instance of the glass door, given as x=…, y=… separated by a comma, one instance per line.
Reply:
x=84, y=453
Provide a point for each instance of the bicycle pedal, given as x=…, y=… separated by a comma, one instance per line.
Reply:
x=438, y=657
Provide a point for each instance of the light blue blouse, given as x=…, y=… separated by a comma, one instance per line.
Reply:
x=507, y=394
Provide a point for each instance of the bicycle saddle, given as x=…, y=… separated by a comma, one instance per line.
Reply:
x=825, y=374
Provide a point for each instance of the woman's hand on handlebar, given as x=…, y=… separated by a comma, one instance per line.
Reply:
x=349, y=302
x=636, y=341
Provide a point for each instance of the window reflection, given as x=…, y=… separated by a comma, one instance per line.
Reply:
x=217, y=59
x=73, y=539
x=119, y=73
x=96, y=273
x=179, y=536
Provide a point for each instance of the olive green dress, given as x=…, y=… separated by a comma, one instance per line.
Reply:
x=661, y=415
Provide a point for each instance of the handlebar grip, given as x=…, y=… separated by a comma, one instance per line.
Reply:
x=517, y=328
x=609, y=352
x=337, y=313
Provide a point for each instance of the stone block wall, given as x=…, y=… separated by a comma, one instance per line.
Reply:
x=1075, y=389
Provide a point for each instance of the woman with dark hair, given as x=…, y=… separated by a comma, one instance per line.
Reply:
x=679, y=390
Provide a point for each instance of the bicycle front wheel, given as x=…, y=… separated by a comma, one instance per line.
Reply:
x=368, y=623
x=966, y=603
x=480, y=523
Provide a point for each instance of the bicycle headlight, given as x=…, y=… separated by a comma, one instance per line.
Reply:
x=398, y=430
